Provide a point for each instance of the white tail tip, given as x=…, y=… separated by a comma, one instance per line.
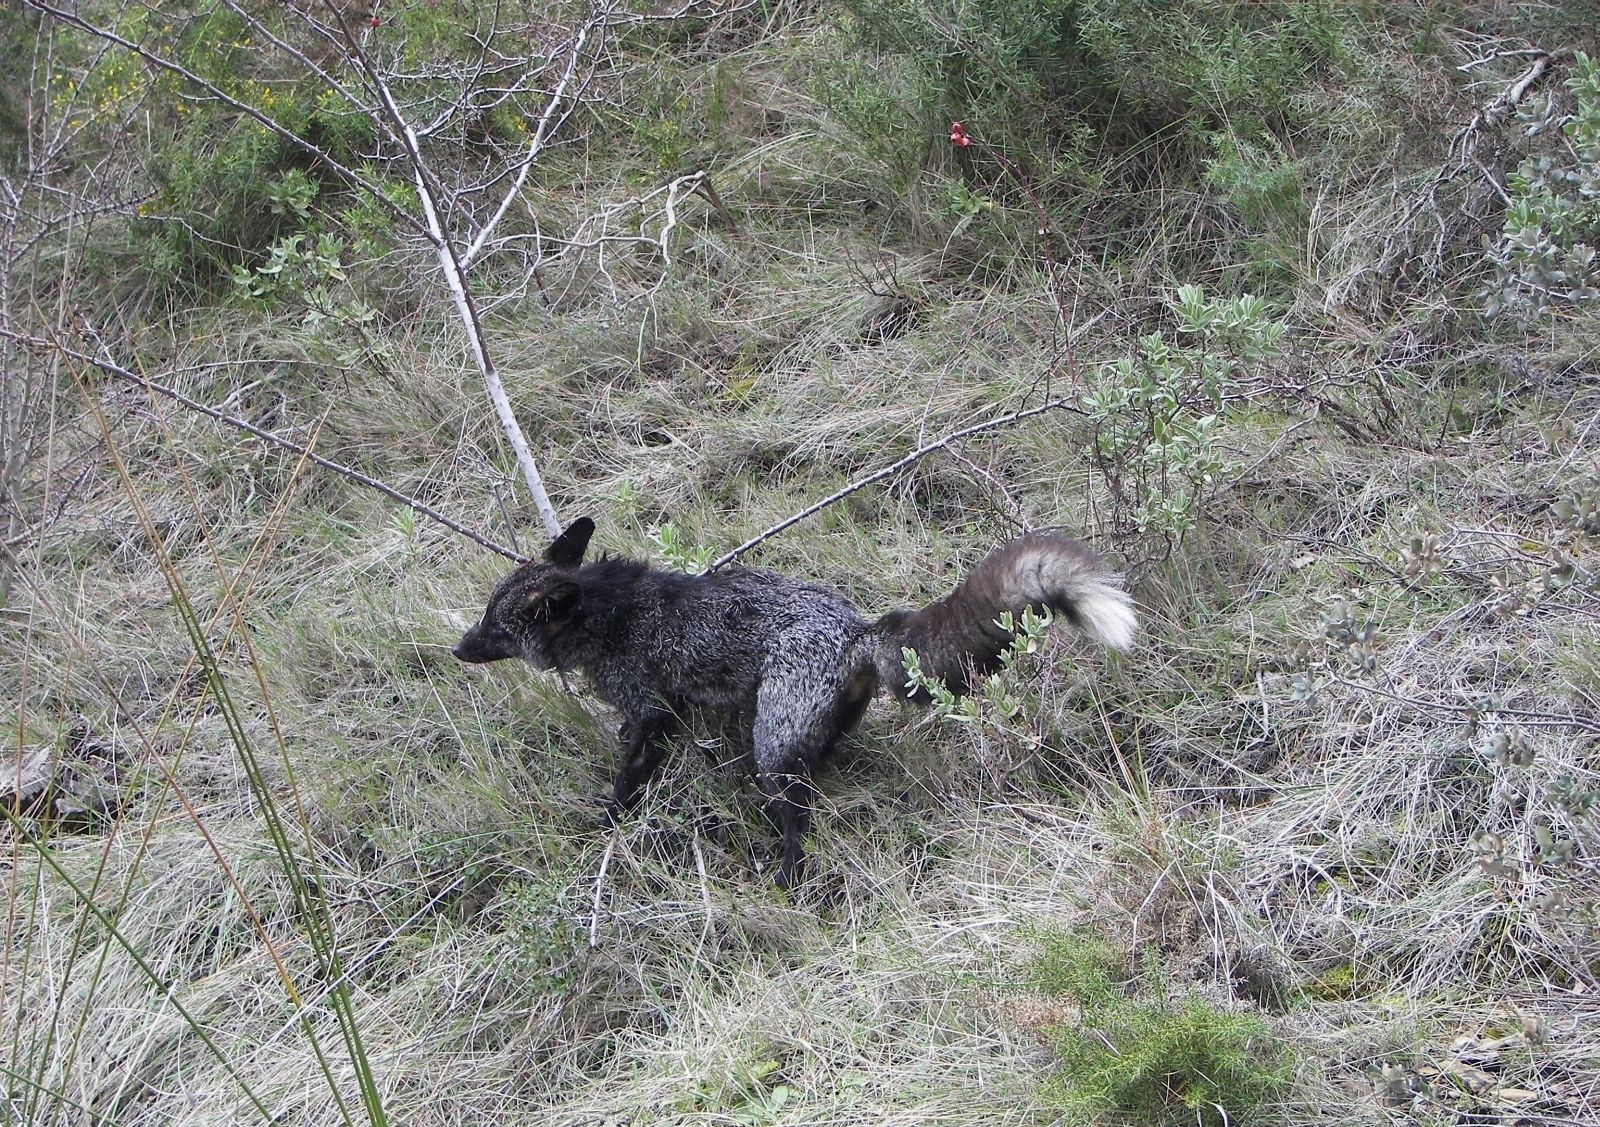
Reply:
x=1106, y=613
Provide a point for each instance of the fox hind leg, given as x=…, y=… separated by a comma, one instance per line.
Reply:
x=799, y=717
x=789, y=802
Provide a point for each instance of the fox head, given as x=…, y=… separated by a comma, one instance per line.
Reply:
x=531, y=606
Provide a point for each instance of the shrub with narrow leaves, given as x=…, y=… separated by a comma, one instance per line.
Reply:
x=1151, y=1062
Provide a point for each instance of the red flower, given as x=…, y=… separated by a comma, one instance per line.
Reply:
x=958, y=135
x=375, y=21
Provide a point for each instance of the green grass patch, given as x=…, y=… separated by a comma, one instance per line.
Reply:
x=1155, y=1061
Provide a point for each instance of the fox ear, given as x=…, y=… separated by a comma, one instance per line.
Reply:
x=567, y=549
x=553, y=603
x=561, y=600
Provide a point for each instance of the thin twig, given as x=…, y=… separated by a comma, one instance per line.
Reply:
x=916, y=455
x=1018, y=515
x=278, y=440
x=1524, y=716
x=547, y=124
x=600, y=888
x=709, y=191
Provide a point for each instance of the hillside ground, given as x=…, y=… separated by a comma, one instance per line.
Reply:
x=1322, y=849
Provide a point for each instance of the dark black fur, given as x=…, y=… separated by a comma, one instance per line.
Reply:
x=794, y=658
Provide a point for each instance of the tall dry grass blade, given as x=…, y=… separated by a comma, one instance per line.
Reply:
x=86, y=898
x=311, y=904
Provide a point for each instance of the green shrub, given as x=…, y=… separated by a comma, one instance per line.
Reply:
x=1545, y=256
x=1264, y=187
x=1157, y=415
x=1164, y=1064
x=1050, y=82
x=992, y=700
x=1080, y=966
x=228, y=189
x=1150, y=1062
x=224, y=189
x=542, y=940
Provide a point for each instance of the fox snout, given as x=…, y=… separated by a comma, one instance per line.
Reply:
x=479, y=645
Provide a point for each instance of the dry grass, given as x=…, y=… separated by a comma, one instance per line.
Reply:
x=1335, y=847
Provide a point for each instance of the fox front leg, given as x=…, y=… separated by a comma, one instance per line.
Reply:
x=645, y=743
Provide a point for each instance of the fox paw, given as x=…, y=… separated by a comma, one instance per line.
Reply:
x=605, y=814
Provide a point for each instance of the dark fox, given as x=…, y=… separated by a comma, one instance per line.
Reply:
x=795, y=662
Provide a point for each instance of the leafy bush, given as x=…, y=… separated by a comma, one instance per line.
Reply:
x=541, y=939
x=225, y=186
x=1157, y=414
x=1051, y=81
x=1264, y=186
x=1153, y=1062
x=992, y=701
x=310, y=279
x=748, y=1093
x=1579, y=508
x=1545, y=256
x=227, y=190
x=676, y=552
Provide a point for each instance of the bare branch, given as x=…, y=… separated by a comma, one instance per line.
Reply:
x=683, y=185
x=1492, y=112
x=102, y=364
x=548, y=122
x=444, y=217
x=455, y=277
x=916, y=455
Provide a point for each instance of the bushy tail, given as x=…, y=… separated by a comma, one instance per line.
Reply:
x=959, y=634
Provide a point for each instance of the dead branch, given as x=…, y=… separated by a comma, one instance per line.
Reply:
x=547, y=124
x=451, y=265
x=110, y=368
x=1063, y=404
x=1494, y=111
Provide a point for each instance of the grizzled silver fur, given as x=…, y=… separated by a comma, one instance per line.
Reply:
x=794, y=661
